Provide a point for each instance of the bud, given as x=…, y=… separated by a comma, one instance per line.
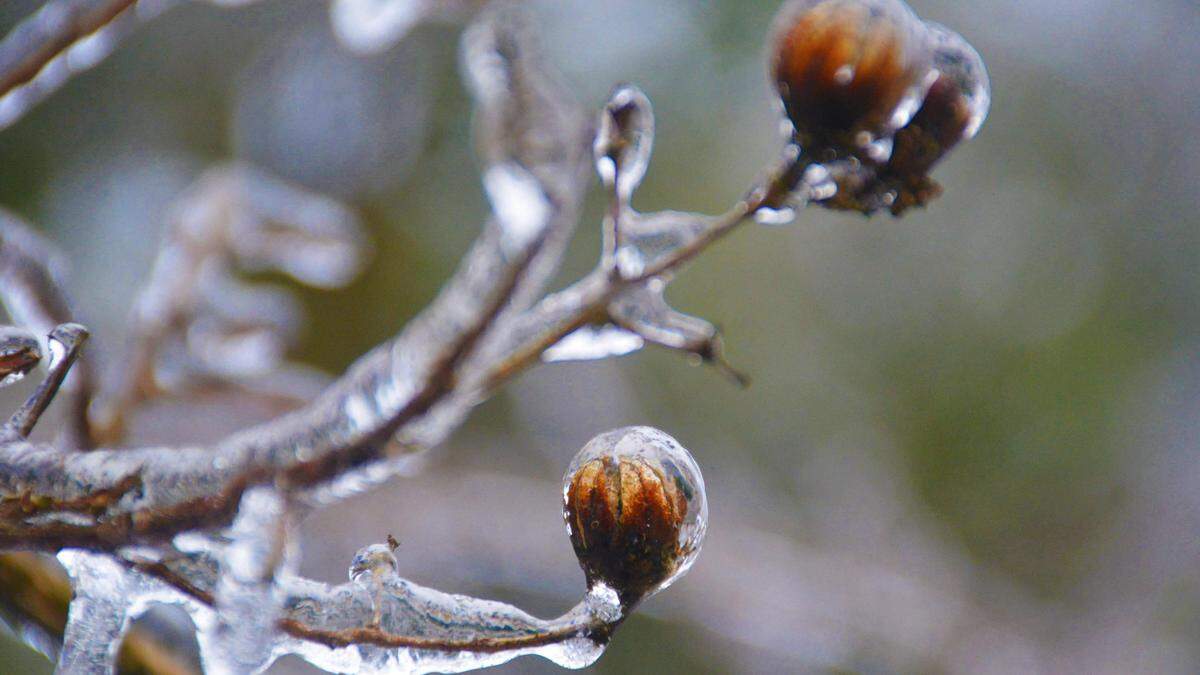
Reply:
x=634, y=504
x=867, y=82
x=849, y=72
x=20, y=352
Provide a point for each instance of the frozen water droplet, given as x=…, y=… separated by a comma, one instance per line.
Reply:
x=371, y=26
x=819, y=182
x=955, y=58
x=603, y=603
x=371, y=563
x=594, y=342
x=880, y=150
x=521, y=207
x=625, y=140
x=57, y=344
x=636, y=511
x=783, y=216
x=574, y=654
x=371, y=568
x=630, y=261
x=20, y=352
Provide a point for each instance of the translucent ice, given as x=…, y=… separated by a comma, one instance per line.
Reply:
x=594, y=342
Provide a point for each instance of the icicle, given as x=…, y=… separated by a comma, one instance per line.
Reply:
x=99, y=613
x=239, y=636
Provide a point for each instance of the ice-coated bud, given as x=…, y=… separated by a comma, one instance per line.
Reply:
x=870, y=83
x=634, y=504
x=20, y=352
x=849, y=72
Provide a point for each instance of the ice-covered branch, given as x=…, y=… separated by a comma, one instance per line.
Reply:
x=61, y=39
x=635, y=509
x=533, y=143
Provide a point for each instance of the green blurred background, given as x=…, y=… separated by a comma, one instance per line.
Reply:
x=971, y=443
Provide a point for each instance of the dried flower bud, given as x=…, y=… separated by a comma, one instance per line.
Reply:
x=636, y=511
x=849, y=71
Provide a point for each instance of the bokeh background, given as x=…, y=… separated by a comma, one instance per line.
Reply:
x=972, y=443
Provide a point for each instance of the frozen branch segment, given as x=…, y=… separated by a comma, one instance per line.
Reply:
x=61, y=40
x=99, y=613
x=32, y=277
x=33, y=292
x=533, y=139
x=635, y=509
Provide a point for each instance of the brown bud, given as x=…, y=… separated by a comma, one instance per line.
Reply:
x=849, y=71
x=867, y=82
x=635, y=511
